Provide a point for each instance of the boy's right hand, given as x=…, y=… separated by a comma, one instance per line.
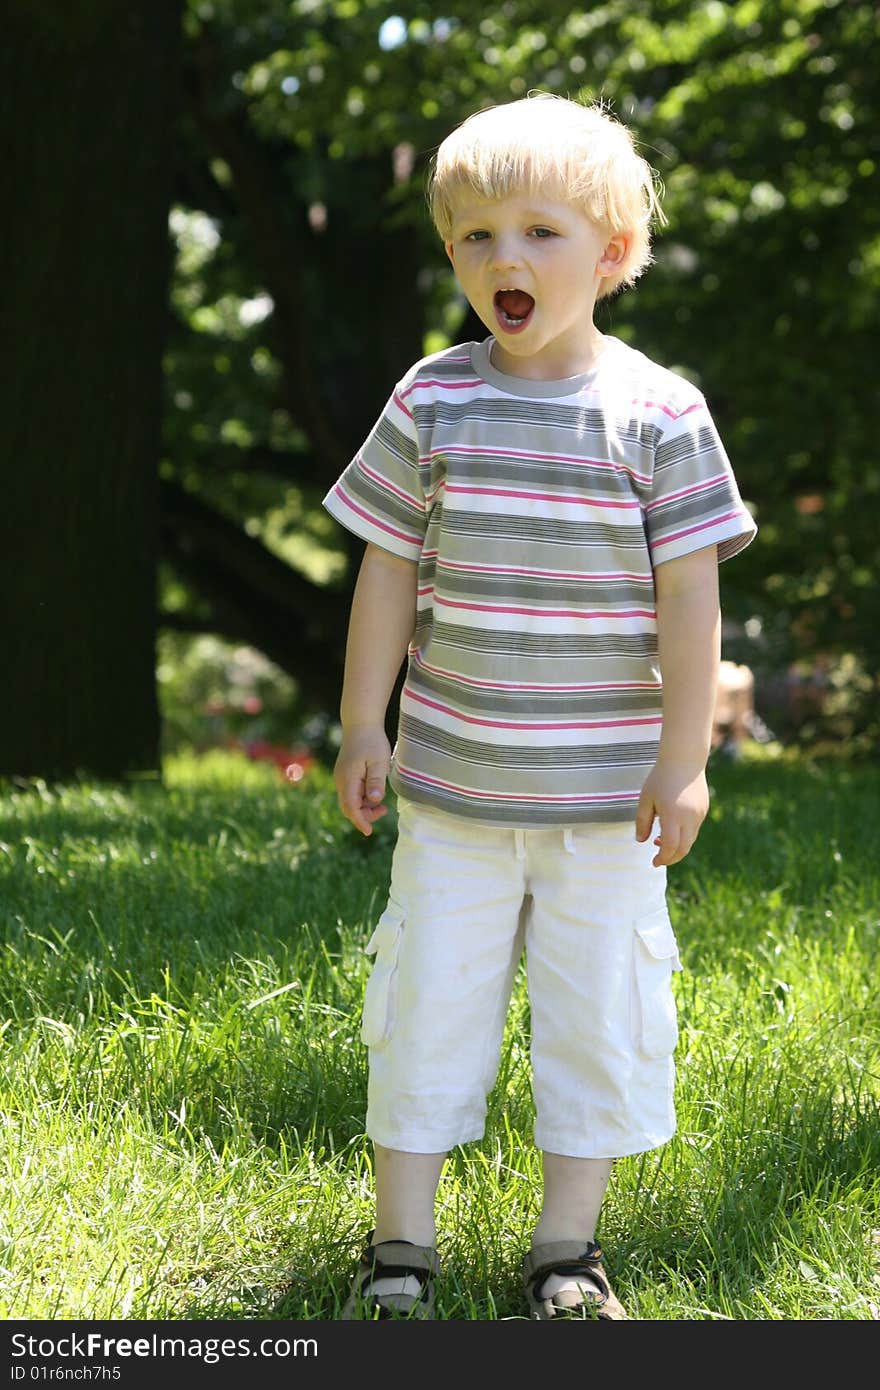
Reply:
x=360, y=774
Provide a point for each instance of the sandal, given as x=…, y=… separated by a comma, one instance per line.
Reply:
x=593, y=1299
x=393, y=1259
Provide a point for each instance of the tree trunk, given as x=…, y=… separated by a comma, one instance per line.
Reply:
x=90, y=96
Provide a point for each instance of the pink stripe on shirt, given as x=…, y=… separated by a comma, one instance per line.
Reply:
x=607, y=797
x=537, y=686
x=475, y=450
x=588, y=615
x=681, y=492
x=389, y=486
x=380, y=525
x=527, y=726
x=472, y=384
x=692, y=530
x=586, y=575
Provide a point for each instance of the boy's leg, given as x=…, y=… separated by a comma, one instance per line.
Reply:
x=600, y=955
x=447, y=949
x=406, y=1189
x=573, y=1193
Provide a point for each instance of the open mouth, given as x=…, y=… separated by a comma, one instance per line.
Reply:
x=513, y=309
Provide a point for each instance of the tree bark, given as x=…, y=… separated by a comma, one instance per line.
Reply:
x=90, y=94
x=255, y=597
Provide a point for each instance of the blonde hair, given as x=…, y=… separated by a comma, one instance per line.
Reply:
x=582, y=154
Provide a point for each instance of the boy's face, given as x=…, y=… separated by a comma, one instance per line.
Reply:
x=531, y=268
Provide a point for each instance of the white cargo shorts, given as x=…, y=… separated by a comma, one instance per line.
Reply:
x=590, y=911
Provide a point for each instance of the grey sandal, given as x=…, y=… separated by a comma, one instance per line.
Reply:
x=578, y=1261
x=393, y=1259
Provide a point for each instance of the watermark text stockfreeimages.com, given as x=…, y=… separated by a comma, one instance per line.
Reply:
x=95, y=1346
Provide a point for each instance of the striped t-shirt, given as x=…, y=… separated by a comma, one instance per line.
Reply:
x=537, y=512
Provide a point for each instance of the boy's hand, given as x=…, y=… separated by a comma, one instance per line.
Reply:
x=360, y=773
x=680, y=799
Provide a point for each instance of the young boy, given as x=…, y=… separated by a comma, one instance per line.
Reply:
x=544, y=514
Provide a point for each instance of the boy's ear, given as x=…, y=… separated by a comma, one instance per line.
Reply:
x=614, y=254
x=450, y=251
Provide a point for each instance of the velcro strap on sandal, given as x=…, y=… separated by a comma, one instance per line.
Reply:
x=565, y=1257
x=400, y=1259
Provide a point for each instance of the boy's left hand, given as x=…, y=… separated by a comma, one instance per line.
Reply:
x=679, y=798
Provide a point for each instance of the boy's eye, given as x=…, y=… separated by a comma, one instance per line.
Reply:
x=542, y=232
x=476, y=236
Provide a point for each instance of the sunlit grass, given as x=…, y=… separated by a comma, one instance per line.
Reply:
x=183, y=1086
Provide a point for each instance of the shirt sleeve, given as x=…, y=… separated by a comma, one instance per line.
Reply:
x=380, y=496
x=694, y=501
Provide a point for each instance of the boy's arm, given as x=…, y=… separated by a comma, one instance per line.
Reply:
x=381, y=625
x=689, y=640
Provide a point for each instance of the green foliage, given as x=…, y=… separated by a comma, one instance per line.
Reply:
x=308, y=275
x=212, y=693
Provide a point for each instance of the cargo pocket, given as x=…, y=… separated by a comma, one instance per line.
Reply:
x=655, y=1021
x=380, y=995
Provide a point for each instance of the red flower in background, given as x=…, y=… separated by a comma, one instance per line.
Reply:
x=292, y=763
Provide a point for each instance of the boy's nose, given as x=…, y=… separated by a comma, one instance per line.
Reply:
x=505, y=255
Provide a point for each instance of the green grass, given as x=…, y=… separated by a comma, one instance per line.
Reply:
x=183, y=1087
